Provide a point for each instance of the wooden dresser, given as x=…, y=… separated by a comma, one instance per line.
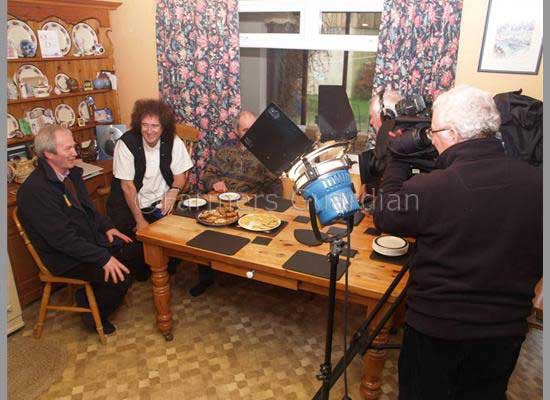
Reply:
x=25, y=271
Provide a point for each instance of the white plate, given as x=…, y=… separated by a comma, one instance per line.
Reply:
x=84, y=37
x=193, y=202
x=83, y=111
x=19, y=31
x=259, y=222
x=229, y=196
x=27, y=71
x=391, y=246
x=42, y=110
x=64, y=113
x=13, y=125
x=61, y=80
x=62, y=34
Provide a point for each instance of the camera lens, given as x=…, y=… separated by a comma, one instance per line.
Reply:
x=273, y=113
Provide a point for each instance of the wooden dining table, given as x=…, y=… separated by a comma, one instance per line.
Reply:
x=368, y=277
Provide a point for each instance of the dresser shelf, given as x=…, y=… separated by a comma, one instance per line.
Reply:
x=61, y=96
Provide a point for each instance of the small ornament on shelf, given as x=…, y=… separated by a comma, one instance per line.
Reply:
x=88, y=86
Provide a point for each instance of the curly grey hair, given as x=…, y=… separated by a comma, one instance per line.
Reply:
x=45, y=139
x=237, y=119
x=471, y=112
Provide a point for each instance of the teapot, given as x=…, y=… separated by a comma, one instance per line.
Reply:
x=22, y=168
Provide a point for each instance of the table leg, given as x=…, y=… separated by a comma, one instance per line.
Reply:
x=374, y=361
x=154, y=256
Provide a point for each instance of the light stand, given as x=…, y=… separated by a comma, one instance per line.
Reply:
x=336, y=245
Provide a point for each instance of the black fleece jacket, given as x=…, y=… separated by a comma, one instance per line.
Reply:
x=477, y=220
x=63, y=233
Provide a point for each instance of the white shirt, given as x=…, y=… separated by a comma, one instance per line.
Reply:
x=154, y=187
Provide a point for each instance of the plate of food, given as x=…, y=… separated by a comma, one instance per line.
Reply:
x=193, y=202
x=259, y=222
x=229, y=196
x=221, y=216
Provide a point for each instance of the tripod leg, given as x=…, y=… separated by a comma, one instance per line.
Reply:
x=374, y=360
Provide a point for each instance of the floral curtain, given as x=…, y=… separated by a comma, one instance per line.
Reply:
x=418, y=46
x=198, y=67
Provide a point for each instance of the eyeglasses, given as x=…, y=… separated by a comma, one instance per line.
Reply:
x=430, y=132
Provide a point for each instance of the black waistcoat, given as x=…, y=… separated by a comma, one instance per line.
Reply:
x=116, y=204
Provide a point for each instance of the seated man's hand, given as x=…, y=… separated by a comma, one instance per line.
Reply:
x=168, y=201
x=114, y=269
x=113, y=232
x=220, y=187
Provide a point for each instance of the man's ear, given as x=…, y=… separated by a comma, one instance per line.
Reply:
x=48, y=155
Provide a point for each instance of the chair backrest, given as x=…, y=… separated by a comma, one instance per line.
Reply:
x=189, y=134
x=29, y=245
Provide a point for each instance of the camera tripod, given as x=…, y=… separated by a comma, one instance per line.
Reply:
x=362, y=339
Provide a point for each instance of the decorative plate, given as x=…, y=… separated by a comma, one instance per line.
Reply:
x=65, y=114
x=61, y=81
x=28, y=71
x=83, y=111
x=193, y=202
x=221, y=216
x=13, y=125
x=62, y=34
x=84, y=38
x=38, y=111
x=391, y=246
x=19, y=31
x=259, y=222
x=229, y=196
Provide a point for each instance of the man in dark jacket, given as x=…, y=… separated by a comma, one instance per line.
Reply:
x=71, y=237
x=477, y=220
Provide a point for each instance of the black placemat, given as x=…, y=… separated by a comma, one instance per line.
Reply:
x=218, y=242
x=307, y=237
x=314, y=264
x=373, y=231
x=269, y=203
x=302, y=219
x=263, y=241
x=192, y=212
x=401, y=260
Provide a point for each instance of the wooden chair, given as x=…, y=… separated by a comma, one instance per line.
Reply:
x=49, y=279
x=190, y=135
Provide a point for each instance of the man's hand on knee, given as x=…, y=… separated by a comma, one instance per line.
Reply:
x=114, y=269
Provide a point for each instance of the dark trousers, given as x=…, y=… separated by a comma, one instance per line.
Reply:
x=437, y=369
x=108, y=295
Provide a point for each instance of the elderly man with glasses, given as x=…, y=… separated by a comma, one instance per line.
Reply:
x=477, y=220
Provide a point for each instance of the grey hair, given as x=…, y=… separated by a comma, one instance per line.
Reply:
x=390, y=99
x=45, y=139
x=239, y=116
x=469, y=111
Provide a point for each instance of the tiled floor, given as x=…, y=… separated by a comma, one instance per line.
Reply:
x=240, y=340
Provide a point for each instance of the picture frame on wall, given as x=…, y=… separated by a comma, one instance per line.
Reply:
x=512, y=41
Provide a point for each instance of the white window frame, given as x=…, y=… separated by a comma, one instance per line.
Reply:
x=310, y=36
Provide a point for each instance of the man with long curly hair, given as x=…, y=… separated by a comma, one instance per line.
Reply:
x=149, y=166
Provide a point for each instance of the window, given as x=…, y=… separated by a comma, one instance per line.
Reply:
x=288, y=49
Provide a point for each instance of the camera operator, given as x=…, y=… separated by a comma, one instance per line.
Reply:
x=477, y=220
x=373, y=161
x=401, y=125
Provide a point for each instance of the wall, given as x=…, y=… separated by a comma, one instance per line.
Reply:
x=135, y=54
x=134, y=41
x=471, y=36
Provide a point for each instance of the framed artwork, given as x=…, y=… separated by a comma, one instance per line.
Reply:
x=512, y=41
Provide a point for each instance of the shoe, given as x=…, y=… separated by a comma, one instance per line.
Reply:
x=199, y=288
x=89, y=323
